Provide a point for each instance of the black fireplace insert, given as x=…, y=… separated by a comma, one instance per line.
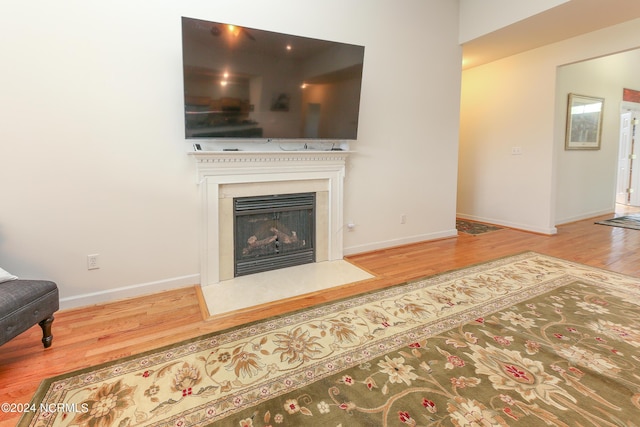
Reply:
x=274, y=231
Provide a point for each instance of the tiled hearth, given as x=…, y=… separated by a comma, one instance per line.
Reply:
x=223, y=175
x=262, y=288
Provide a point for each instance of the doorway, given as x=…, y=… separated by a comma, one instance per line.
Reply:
x=628, y=181
x=312, y=121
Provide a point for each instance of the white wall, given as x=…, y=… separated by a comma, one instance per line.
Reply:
x=500, y=111
x=406, y=160
x=512, y=103
x=93, y=153
x=586, y=180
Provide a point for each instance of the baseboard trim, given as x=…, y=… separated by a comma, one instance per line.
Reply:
x=589, y=215
x=123, y=292
x=352, y=250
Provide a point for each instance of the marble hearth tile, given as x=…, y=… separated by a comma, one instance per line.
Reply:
x=254, y=289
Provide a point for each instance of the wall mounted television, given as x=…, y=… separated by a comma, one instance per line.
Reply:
x=245, y=83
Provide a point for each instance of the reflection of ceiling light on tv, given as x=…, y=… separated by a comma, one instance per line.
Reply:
x=289, y=47
x=223, y=82
x=303, y=85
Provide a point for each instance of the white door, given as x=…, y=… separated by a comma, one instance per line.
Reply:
x=634, y=194
x=628, y=186
x=622, y=195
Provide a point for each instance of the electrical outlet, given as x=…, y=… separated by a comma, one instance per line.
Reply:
x=516, y=151
x=92, y=262
x=403, y=219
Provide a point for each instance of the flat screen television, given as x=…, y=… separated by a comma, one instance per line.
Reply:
x=244, y=83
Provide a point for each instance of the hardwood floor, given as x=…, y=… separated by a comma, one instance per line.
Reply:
x=92, y=335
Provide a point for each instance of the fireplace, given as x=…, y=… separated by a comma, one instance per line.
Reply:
x=224, y=176
x=273, y=231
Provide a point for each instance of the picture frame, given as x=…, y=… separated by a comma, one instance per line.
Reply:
x=280, y=102
x=584, y=122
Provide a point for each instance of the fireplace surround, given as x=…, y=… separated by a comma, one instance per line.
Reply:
x=226, y=175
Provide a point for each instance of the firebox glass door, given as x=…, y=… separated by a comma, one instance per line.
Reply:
x=273, y=232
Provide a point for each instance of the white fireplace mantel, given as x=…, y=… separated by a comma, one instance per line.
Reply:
x=218, y=169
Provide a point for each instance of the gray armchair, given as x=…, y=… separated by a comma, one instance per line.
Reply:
x=23, y=303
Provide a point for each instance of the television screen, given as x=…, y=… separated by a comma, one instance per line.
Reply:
x=246, y=83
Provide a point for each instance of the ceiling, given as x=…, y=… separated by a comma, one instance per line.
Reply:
x=570, y=19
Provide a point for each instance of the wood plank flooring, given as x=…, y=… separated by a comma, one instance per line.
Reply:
x=92, y=335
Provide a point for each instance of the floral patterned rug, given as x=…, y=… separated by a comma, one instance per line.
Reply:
x=472, y=227
x=523, y=340
x=627, y=221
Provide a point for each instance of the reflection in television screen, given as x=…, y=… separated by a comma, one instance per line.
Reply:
x=244, y=83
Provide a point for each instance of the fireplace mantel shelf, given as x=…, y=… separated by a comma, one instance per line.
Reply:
x=268, y=156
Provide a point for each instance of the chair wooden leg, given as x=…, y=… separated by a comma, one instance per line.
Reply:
x=47, y=337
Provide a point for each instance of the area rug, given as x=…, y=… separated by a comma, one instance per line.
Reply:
x=523, y=340
x=471, y=227
x=628, y=221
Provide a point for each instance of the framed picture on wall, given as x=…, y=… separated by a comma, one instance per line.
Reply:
x=584, y=122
